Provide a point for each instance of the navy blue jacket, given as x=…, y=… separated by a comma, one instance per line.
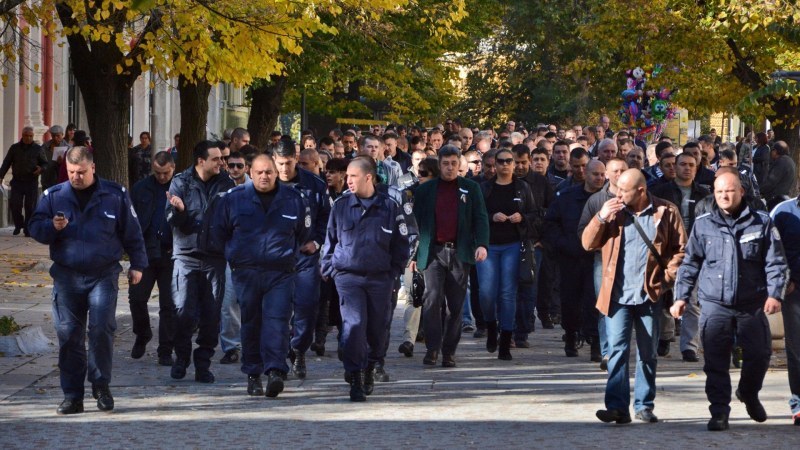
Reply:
x=371, y=241
x=787, y=220
x=739, y=265
x=316, y=197
x=196, y=196
x=255, y=238
x=561, y=222
x=93, y=241
x=149, y=202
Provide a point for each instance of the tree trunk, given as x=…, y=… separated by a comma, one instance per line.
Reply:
x=265, y=107
x=194, y=117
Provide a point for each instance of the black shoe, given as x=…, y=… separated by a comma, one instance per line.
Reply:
x=646, y=415
x=16, y=233
x=254, y=386
x=570, y=345
x=105, y=402
x=26, y=232
x=430, y=358
x=663, y=347
x=369, y=379
x=179, y=369
x=547, y=324
x=380, y=373
x=689, y=356
x=139, y=346
x=596, y=355
x=70, y=406
x=165, y=360
x=204, y=376
x=406, y=348
x=299, y=364
x=448, y=361
x=754, y=407
x=613, y=415
x=231, y=357
x=604, y=364
x=491, y=337
x=318, y=348
x=357, y=393
x=480, y=333
x=504, y=351
x=718, y=422
x=274, y=383
x=556, y=319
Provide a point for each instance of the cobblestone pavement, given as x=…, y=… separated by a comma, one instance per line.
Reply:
x=539, y=400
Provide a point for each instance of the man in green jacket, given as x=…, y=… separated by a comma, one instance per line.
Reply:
x=453, y=236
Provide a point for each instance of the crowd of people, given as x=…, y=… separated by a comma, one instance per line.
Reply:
x=267, y=250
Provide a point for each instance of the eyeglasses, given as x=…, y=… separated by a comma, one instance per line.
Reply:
x=423, y=173
x=504, y=161
x=236, y=165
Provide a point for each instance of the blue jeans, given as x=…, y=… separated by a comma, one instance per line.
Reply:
x=498, y=276
x=230, y=321
x=791, y=326
x=619, y=325
x=74, y=296
x=526, y=302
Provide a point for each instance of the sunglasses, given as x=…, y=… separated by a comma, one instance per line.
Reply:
x=423, y=173
x=236, y=165
x=476, y=161
x=504, y=161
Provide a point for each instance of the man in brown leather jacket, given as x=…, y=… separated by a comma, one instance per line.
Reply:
x=629, y=295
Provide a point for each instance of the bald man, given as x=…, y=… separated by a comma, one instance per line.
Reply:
x=736, y=258
x=624, y=229
x=578, y=317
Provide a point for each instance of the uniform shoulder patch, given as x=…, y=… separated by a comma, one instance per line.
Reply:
x=403, y=229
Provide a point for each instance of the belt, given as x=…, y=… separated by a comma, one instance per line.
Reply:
x=449, y=245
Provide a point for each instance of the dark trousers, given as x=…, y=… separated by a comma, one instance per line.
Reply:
x=719, y=325
x=548, y=301
x=24, y=194
x=158, y=271
x=364, y=301
x=74, y=296
x=197, y=289
x=445, y=291
x=265, y=301
x=390, y=316
x=306, y=303
x=577, y=297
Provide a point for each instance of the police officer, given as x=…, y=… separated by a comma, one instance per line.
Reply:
x=736, y=258
x=262, y=224
x=198, y=280
x=366, y=248
x=87, y=223
x=149, y=200
x=307, y=276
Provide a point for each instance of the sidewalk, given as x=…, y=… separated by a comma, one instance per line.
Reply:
x=541, y=399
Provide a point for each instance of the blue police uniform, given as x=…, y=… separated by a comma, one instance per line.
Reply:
x=261, y=248
x=307, y=278
x=198, y=280
x=736, y=263
x=85, y=273
x=366, y=248
x=149, y=201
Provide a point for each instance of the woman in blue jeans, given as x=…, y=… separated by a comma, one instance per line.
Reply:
x=510, y=207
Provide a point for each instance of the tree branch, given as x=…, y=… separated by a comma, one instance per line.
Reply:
x=741, y=68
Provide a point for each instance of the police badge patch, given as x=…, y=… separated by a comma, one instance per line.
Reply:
x=403, y=229
x=308, y=222
x=408, y=208
x=133, y=213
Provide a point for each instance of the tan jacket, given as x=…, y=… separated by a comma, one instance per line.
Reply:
x=670, y=242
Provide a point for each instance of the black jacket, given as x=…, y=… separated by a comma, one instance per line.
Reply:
x=543, y=196
x=672, y=193
x=561, y=223
x=150, y=202
x=531, y=218
x=23, y=159
x=781, y=178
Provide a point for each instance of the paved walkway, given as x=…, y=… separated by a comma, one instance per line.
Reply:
x=539, y=400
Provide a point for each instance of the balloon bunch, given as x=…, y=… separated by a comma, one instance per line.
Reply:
x=647, y=110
